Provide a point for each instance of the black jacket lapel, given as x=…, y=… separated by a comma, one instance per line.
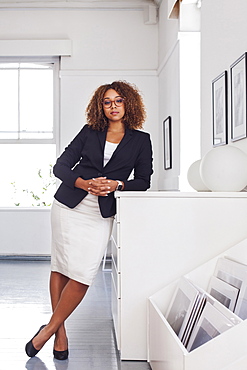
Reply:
x=127, y=137
x=102, y=138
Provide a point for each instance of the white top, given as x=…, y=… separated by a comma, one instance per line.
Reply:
x=109, y=149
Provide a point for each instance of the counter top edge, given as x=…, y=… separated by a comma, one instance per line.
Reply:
x=177, y=194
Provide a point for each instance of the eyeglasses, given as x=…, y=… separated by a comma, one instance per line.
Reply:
x=107, y=103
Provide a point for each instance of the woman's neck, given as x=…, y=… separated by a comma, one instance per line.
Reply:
x=116, y=127
x=115, y=133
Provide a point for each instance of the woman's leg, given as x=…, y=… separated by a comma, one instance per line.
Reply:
x=70, y=297
x=57, y=284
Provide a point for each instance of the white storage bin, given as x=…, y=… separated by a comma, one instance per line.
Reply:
x=166, y=352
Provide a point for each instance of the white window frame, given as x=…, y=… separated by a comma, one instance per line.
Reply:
x=56, y=61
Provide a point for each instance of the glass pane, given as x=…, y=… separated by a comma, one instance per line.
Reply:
x=9, y=135
x=36, y=65
x=39, y=65
x=36, y=135
x=9, y=102
x=36, y=100
x=9, y=65
x=27, y=179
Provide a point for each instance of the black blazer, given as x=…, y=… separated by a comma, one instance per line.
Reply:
x=84, y=157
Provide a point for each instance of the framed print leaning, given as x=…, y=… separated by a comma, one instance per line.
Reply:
x=238, y=98
x=220, y=121
x=167, y=137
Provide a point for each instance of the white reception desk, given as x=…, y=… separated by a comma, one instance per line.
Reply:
x=158, y=237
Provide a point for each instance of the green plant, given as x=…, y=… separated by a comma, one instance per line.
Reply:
x=39, y=197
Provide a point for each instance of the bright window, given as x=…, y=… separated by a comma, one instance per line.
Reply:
x=27, y=100
x=28, y=120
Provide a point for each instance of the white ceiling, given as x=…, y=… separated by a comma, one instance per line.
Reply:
x=90, y=3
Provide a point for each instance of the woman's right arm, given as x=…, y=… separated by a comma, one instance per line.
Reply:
x=68, y=159
x=82, y=184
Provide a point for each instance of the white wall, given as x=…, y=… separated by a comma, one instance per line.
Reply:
x=190, y=113
x=168, y=31
x=169, y=94
x=102, y=39
x=179, y=87
x=107, y=45
x=25, y=231
x=169, y=105
x=223, y=40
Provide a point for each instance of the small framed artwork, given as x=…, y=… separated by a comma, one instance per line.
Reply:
x=238, y=99
x=211, y=324
x=235, y=274
x=225, y=293
x=181, y=306
x=219, y=97
x=167, y=136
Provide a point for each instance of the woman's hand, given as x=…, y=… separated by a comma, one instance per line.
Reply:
x=100, y=186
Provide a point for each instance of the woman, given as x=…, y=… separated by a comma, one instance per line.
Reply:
x=97, y=162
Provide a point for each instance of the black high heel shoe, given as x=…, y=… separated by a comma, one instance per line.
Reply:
x=31, y=351
x=61, y=355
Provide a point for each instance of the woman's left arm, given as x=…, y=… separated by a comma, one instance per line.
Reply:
x=143, y=168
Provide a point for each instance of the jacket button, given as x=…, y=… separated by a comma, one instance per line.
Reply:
x=99, y=174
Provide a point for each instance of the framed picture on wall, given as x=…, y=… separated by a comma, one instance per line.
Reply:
x=219, y=105
x=167, y=139
x=238, y=99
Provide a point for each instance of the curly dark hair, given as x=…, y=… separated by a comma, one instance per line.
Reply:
x=135, y=113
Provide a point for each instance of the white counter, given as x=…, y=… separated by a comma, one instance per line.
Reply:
x=158, y=237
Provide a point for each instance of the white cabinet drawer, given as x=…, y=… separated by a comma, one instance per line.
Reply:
x=116, y=307
x=116, y=232
x=115, y=255
x=116, y=278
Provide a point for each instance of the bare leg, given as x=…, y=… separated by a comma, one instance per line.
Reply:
x=70, y=297
x=57, y=284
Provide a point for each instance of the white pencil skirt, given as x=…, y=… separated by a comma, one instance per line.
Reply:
x=79, y=239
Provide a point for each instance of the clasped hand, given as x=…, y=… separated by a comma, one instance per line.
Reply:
x=101, y=186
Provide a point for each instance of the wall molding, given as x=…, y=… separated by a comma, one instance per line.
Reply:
x=149, y=8
x=138, y=72
x=90, y=5
x=19, y=48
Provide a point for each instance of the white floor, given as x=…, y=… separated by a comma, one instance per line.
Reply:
x=24, y=307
